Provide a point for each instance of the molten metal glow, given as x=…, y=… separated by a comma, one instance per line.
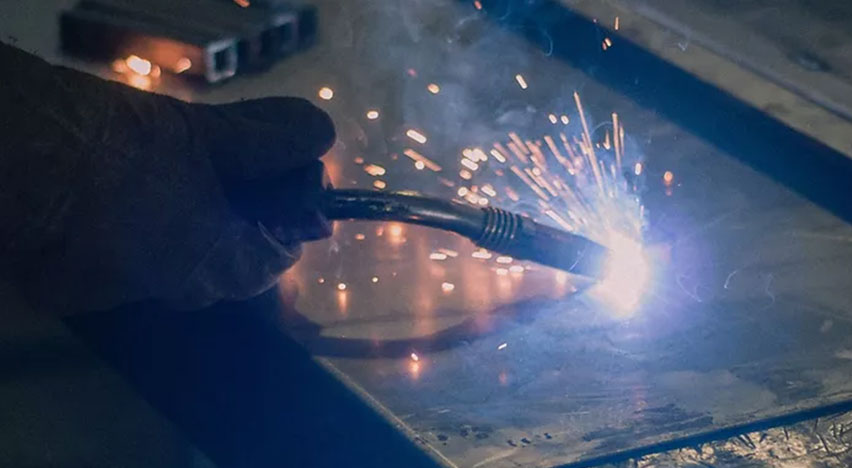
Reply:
x=183, y=64
x=627, y=272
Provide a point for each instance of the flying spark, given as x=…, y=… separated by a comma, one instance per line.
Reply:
x=416, y=136
x=325, y=93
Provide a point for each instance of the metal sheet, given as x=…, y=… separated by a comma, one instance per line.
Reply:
x=746, y=322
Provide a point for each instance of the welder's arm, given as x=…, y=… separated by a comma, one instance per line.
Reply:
x=110, y=195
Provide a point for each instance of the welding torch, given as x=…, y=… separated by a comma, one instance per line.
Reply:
x=309, y=193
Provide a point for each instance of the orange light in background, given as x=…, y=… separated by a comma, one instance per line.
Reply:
x=419, y=165
x=433, y=88
x=668, y=178
x=243, y=3
x=360, y=236
x=564, y=119
x=477, y=4
x=379, y=184
x=415, y=357
x=138, y=65
x=448, y=287
x=182, y=65
x=374, y=279
x=119, y=66
x=637, y=169
x=552, y=118
x=372, y=114
x=140, y=82
x=325, y=93
x=521, y=81
x=320, y=280
x=504, y=259
x=341, y=286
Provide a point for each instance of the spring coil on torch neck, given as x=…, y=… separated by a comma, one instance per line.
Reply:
x=500, y=229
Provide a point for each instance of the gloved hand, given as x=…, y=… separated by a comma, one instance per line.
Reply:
x=111, y=195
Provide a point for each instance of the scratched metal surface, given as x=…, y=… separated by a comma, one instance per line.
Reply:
x=823, y=442
x=747, y=319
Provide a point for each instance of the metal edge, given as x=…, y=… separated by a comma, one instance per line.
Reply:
x=801, y=113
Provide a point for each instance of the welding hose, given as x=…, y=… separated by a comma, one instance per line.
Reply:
x=297, y=201
x=491, y=228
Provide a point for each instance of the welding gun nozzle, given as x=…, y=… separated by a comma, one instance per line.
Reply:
x=519, y=236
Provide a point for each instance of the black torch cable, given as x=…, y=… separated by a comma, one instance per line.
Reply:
x=490, y=228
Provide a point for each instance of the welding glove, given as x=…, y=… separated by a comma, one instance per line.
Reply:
x=111, y=195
